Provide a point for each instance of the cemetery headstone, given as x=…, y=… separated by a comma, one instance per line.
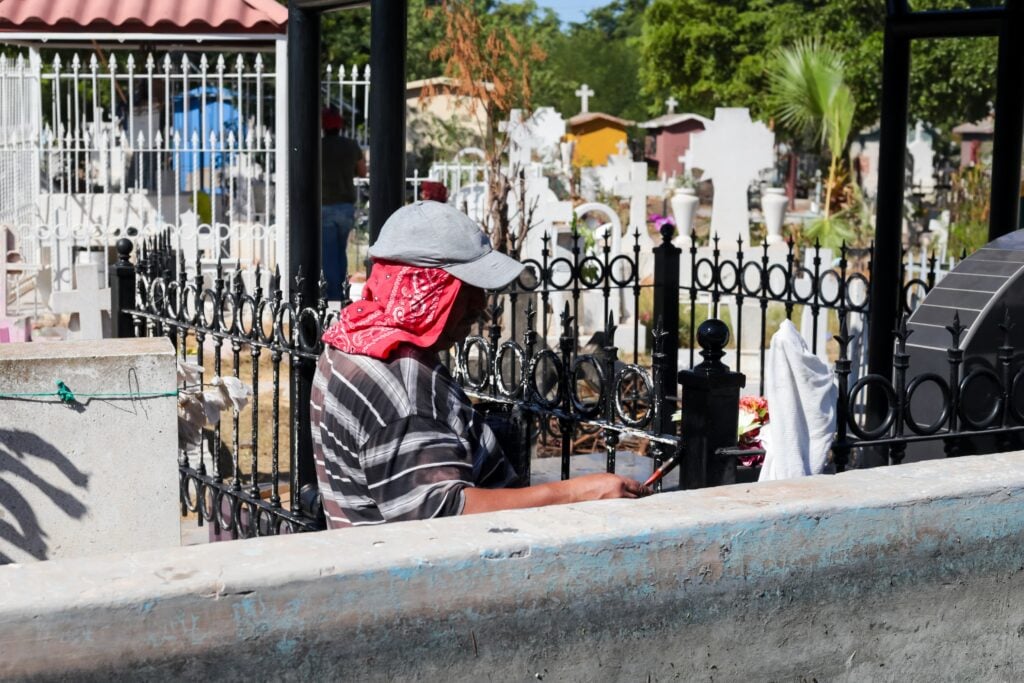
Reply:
x=607, y=178
x=637, y=189
x=88, y=304
x=979, y=290
x=539, y=134
x=919, y=146
x=732, y=152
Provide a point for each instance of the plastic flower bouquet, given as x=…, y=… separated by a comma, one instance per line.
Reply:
x=753, y=416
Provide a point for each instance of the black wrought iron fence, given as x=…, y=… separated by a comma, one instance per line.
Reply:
x=254, y=473
x=824, y=287
x=979, y=408
x=265, y=485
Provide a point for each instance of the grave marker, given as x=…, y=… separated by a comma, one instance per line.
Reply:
x=637, y=189
x=732, y=152
x=88, y=304
x=584, y=92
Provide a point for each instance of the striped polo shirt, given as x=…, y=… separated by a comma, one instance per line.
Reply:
x=397, y=439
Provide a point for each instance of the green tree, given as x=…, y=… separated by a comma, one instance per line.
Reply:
x=808, y=94
x=708, y=53
x=601, y=52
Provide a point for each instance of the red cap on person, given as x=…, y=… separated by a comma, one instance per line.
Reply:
x=330, y=119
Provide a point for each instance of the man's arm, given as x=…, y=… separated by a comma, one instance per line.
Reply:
x=588, y=487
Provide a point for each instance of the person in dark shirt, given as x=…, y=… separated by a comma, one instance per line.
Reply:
x=342, y=162
x=394, y=435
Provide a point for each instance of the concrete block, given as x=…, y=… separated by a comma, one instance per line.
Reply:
x=95, y=476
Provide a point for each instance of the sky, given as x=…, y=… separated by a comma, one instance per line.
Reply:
x=572, y=10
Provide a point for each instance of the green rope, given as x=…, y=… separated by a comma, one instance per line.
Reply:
x=65, y=394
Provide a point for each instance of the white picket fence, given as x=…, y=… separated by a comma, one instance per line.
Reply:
x=108, y=146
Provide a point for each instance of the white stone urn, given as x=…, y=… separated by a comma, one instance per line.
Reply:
x=684, y=208
x=773, y=208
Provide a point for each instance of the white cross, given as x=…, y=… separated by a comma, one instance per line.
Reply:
x=731, y=152
x=584, y=92
x=671, y=103
x=89, y=301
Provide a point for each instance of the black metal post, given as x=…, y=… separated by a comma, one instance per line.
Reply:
x=122, y=291
x=1009, y=128
x=304, y=243
x=884, y=299
x=711, y=397
x=388, y=22
x=666, y=317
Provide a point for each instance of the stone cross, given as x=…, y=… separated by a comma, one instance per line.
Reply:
x=89, y=301
x=732, y=151
x=671, y=103
x=637, y=189
x=584, y=92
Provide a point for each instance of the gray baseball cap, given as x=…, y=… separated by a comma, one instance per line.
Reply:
x=436, y=235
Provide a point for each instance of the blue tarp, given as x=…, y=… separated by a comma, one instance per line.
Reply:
x=188, y=119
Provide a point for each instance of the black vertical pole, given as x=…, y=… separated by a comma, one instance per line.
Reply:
x=122, y=291
x=884, y=300
x=304, y=245
x=666, y=316
x=388, y=21
x=1009, y=131
x=304, y=149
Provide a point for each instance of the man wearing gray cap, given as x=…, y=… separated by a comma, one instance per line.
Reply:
x=394, y=436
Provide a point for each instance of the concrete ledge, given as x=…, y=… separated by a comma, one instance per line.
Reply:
x=913, y=572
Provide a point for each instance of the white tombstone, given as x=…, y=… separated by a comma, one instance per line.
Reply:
x=472, y=200
x=566, y=150
x=637, y=190
x=868, y=160
x=584, y=92
x=604, y=221
x=607, y=178
x=732, y=152
x=88, y=304
x=539, y=134
x=522, y=140
x=919, y=146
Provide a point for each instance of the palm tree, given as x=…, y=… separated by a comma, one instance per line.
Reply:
x=807, y=93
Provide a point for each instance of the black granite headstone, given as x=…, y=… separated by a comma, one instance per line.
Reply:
x=980, y=291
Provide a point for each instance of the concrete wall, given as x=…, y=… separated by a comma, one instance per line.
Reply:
x=906, y=573
x=96, y=476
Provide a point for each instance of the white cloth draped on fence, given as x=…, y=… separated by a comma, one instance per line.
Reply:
x=802, y=399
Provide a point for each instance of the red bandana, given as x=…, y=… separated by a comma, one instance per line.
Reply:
x=401, y=304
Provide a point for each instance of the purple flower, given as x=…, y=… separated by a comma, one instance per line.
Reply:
x=660, y=220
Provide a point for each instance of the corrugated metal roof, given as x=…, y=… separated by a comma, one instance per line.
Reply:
x=144, y=16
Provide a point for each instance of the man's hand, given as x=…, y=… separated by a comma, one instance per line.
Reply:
x=576, y=490
x=602, y=486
